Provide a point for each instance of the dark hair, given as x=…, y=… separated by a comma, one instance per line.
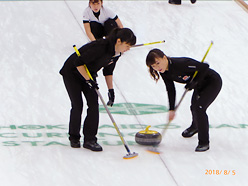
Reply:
x=95, y=1
x=124, y=34
x=150, y=60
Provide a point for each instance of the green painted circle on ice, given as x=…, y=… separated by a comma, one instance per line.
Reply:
x=134, y=109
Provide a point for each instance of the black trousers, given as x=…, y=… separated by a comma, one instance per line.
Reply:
x=99, y=30
x=201, y=99
x=75, y=86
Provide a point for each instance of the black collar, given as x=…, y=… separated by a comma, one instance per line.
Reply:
x=96, y=14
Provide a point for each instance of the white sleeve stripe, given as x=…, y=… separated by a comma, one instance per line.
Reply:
x=192, y=66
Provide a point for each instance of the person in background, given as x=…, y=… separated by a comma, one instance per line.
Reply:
x=98, y=22
x=178, y=2
x=94, y=55
x=206, y=85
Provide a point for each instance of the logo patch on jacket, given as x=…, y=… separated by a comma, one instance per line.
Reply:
x=185, y=78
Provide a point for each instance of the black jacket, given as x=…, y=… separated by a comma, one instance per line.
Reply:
x=182, y=70
x=94, y=55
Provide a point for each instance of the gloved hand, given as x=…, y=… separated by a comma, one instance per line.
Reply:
x=111, y=95
x=191, y=85
x=92, y=84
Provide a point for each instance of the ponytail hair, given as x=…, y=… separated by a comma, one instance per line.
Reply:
x=151, y=59
x=124, y=34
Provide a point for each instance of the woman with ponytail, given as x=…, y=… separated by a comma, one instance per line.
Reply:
x=95, y=55
x=206, y=85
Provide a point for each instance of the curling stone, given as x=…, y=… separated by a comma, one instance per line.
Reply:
x=148, y=137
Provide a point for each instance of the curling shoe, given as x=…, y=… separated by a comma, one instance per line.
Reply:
x=189, y=132
x=92, y=145
x=202, y=148
x=75, y=144
x=193, y=1
x=175, y=2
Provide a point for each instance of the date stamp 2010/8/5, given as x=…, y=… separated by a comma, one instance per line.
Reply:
x=220, y=172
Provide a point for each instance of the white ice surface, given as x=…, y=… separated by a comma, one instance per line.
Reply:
x=37, y=37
